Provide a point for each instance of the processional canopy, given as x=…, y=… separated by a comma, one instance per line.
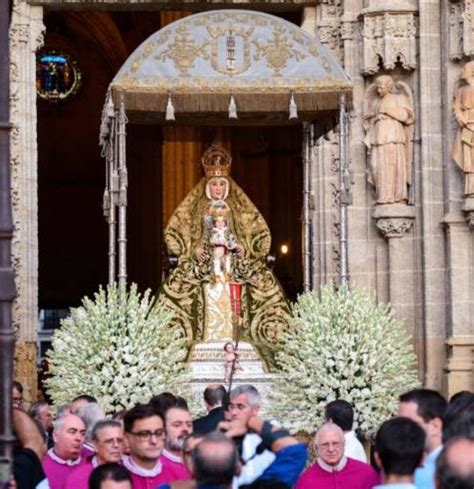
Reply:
x=229, y=64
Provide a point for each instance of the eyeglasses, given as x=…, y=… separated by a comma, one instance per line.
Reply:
x=327, y=446
x=147, y=435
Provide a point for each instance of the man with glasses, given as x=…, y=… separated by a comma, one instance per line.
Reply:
x=17, y=395
x=332, y=468
x=145, y=433
x=107, y=440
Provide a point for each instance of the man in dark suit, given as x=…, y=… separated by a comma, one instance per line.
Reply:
x=213, y=397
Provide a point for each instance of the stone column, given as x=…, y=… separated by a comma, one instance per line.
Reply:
x=431, y=196
x=395, y=222
x=309, y=20
x=26, y=36
x=458, y=370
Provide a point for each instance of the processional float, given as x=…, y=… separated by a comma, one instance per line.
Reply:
x=226, y=67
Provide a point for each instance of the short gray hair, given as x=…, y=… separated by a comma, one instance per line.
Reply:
x=58, y=424
x=35, y=408
x=329, y=426
x=90, y=413
x=104, y=423
x=250, y=391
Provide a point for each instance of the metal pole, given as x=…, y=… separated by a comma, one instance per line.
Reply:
x=307, y=150
x=344, y=183
x=122, y=198
x=112, y=186
x=7, y=282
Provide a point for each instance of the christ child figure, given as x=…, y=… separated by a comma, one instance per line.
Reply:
x=222, y=243
x=231, y=361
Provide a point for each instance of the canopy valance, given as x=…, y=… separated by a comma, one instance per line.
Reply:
x=236, y=63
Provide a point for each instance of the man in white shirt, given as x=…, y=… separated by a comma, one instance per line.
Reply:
x=399, y=447
x=427, y=408
x=341, y=413
x=245, y=401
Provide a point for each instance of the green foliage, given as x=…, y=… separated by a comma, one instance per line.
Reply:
x=342, y=345
x=118, y=348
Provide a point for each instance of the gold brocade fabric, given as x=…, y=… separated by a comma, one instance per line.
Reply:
x=189, y=291
x=218, y=317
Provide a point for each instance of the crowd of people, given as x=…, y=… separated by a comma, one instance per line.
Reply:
x=429, y=444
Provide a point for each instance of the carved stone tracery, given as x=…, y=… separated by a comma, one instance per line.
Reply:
x=461, y=29
x=389, y=37
x=394, y=220
x=394, y=228
x=329, y=26
x=468, y=209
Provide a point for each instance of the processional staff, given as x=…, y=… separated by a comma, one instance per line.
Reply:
x=115, y=195
x=345, y=197
x=235, y=304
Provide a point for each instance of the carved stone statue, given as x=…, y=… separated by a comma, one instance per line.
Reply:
x=463, y=107
x=388, y=121
x=214, y=220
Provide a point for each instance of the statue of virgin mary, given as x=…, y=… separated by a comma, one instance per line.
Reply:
x=217, y=221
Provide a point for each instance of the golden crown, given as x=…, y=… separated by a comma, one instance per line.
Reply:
x=216, y=161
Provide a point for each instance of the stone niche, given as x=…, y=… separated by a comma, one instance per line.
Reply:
x=389, y=37
x=460, y=29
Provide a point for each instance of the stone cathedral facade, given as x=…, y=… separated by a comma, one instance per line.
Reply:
x=419, y=256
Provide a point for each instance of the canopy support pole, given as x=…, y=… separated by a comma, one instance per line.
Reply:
x=307, y=228
x=110, y=198
x=122, y=195
x=344, y=195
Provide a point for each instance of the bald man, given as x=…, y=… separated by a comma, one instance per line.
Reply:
x=455, y=465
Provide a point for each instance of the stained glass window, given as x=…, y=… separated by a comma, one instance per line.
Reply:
x=57, y=76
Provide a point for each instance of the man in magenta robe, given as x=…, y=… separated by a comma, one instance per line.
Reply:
x=68, y=435
x=332, y=469
x=178, y=425
x=107, y=439
x=145, y=433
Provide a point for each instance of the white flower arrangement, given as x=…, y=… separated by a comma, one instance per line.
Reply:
x=118, y=348
x=342, y=345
